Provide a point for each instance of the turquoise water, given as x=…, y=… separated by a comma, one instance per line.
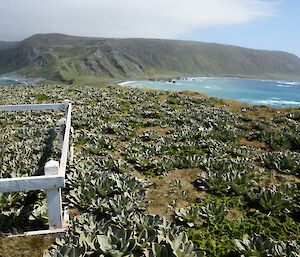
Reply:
x=252, y=91
x=7, y=81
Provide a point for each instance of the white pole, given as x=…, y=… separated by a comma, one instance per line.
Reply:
x=71, y=152
x=53, y=197
x=66, y=106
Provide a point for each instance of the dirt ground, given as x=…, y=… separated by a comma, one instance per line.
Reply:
x=31, y=246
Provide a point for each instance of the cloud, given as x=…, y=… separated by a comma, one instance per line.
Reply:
x=124, y=18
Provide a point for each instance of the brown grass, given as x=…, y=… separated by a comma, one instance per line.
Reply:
x=164, y=196
x=286, y=178
x=30, y=246
x=157, y=129
x=274, y=178
x=193, y=94
x=254, y=143
x=234, y=214
x=256, y=112
x=268, y=180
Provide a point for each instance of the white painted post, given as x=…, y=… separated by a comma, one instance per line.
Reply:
x=61, y=127
x=71, y=148
x=66, y=104
x=66, y=215
x=53, y=197
x=71, y=145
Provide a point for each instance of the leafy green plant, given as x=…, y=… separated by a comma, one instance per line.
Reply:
x=213, y=212
x=236, y=182
x=285, y=162
x=189, y=216
x=40, y=97
x=272, y=199
x=181, y=246
x=66, y=251
x=82, y=197
x=257, y=246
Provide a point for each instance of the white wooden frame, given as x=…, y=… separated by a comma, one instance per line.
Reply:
x=54, y=178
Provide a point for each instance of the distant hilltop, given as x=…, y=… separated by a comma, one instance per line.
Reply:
x=69, y=58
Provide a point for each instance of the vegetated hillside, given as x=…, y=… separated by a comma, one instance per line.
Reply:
x=4, y=44
x=68, y=58
x=156, y=174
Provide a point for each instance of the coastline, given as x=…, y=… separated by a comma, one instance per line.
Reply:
x=18, y=79
x=272, y=96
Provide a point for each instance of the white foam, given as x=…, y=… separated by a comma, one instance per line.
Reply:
x=9, y=79
x=213, y=87
x=284, y=85
x=290, y=83
x=266, y=80
x=198, y=78
x=272, y=102
x=126, y=83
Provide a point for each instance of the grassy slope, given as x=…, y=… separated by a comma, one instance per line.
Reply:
x=61, y=57
x=163, y=200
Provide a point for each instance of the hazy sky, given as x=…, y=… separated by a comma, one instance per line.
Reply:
x=263, y=24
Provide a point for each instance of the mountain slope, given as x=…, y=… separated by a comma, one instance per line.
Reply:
x=5, y=44
x=62, y=57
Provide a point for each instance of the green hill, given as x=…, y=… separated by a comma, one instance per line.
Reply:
x=6, y=44
x=68, y=58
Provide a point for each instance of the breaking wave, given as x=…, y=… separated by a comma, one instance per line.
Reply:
x=271, y=102
x=126, y=83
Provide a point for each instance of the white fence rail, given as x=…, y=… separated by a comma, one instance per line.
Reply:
x=30, y=183
x=54, y=178
x=32, y=107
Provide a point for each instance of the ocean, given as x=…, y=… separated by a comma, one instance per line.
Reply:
x=8, y=81
x=252, y=91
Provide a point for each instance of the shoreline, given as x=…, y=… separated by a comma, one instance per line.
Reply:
x=18, y=79
x=192, y=78
x=271, y=101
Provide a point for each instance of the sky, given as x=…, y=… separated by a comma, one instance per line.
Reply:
x=260, y=24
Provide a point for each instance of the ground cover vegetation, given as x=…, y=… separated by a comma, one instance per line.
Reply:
x=156, y=174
